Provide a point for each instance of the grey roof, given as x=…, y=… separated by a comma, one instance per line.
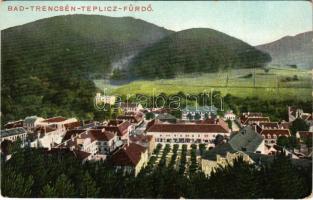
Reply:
x=13, y=131
x=200, y=109
x=165, y=116
x=247, y=139
x=31, y=119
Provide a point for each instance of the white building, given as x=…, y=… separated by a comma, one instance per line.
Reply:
x=105, y=99
x=94, y=141
x=57, y=122
x=198, y=112
x=229, y=115
x=13, y=134
x=187, y=133
x=130, y=107
x=30, y=123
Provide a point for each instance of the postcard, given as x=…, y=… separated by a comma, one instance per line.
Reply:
x=156, y=99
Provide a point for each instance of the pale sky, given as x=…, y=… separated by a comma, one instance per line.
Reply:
x=255, y=22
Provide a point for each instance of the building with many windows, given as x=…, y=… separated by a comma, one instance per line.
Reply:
x=187, y=133
x=198, y=112
x=13, y=134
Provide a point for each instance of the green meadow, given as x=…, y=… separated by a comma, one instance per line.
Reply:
x=277, y=82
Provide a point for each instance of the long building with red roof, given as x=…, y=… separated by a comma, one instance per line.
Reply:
x=187, y=133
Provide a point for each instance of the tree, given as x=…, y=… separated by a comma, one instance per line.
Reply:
x=202, y=148
x=64, y=188
x=283, y=141
x=88, y=187
x=293, y=142
x=229, y=123
x=189, y=116
x=308, y=142
x=218, y=139
x=16, y=185
x=197, y=116
x=288, y=182
x=299, y=125
x=149, y=116
x=49, y=192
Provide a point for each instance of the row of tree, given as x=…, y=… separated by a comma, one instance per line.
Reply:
x=34, y=173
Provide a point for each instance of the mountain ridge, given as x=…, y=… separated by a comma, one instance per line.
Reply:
x=291, y=50
x=195, y=50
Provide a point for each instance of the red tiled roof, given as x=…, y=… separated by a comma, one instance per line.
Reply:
x=140, y=138
x=133, y=118
x=162, y=110
x=128, y=105
x=71, y=133
x=14, y=124
x=207, y=121
x=149, y=124
x=44, y=129
x=101, y=135
x=256, y=119
x=114, y=122
x=128, y=156
x=119, y=127
x=81, y=155
x=252, y=114
x=72, y=125
x=277, y=132
x=269, y=125
x=55, y=119
x=304, y=134
x=285, y=125
x=200, y=128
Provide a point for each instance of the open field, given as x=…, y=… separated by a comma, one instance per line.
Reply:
x=276, y=83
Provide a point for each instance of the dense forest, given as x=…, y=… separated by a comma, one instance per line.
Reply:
x=34, y=173
x=48, y=65
x=195, y=50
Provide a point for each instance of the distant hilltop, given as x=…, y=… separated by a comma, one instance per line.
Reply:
x=291, y=50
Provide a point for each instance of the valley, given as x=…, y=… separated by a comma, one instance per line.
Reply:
x=237, y=82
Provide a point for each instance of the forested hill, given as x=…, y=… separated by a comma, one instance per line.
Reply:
x=196, y=50
x=291, y=50
x=82, y=42
x=46, y=64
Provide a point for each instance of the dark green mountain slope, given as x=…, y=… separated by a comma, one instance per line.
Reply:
x=196, y=50
x=46, y=64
